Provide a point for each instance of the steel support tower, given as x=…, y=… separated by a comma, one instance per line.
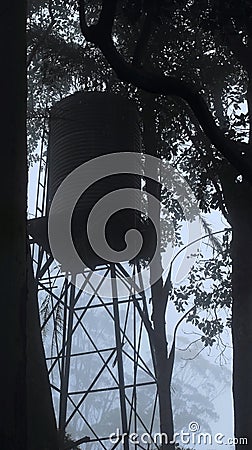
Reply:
x=97, y=350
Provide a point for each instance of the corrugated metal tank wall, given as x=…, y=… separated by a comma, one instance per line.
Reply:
x=83, y=126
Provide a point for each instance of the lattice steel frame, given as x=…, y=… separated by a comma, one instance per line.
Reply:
x=74, y=305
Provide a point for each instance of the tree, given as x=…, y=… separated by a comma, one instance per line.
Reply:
x=53, y=48
x=236, y=153
x=100, y=35
x=17, y=373
x=13, y=228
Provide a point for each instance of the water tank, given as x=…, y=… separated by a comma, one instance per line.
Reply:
x=84, y=126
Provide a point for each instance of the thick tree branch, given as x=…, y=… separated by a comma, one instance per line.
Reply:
x=236, y=153
x=95, y=33
x=107, y=16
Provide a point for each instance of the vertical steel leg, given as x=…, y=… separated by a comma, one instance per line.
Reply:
x=119, y=360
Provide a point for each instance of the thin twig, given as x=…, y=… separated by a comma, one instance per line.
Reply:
x=188, y=346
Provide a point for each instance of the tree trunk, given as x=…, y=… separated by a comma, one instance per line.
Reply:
x=238, y=204
x=164, y=368
x=238, y=198
x=41, y=427
x=13, y=184
x=242, y=329
x=162, y=364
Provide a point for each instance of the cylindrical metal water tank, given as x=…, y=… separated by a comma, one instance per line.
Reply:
x=84, y=126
